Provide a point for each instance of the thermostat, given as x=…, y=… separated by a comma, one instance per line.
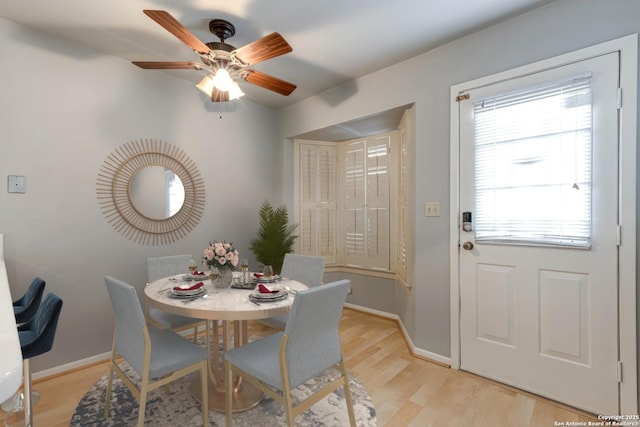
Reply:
x=17, y=184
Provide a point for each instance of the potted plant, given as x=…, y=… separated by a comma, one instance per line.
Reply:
x=275, y=237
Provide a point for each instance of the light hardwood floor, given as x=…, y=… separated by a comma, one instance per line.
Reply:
x=406, y=390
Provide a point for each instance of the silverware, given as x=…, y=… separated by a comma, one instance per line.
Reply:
x=186, y=301
x=255, y=302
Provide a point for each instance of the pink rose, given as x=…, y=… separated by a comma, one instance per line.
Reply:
x=222, y=260
x=220, y=250
x=208, y=253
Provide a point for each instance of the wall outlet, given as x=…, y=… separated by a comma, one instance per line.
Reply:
x=432, y=209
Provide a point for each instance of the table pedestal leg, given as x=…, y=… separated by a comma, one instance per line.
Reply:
x=245, y=395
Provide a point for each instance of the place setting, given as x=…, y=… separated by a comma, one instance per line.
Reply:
x=188, y=292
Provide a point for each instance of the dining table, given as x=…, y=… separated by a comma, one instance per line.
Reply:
x=226, y=312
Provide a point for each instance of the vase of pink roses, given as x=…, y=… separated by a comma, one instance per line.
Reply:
x=222, y=259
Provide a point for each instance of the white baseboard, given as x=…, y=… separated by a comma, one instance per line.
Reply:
x=71, y=365
x=85, y=362
x=105, y=356
x=418, y=351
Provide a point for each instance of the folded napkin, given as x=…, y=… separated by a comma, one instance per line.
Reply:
x=189, y=288
x=264, y=290
x=259, y=275
x=199, y=273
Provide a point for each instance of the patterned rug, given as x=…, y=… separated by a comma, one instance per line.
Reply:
x=179, y=408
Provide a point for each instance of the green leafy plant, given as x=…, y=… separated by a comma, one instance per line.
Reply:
x=275, y=237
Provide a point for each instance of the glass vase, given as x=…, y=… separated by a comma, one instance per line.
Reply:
x=225, y=277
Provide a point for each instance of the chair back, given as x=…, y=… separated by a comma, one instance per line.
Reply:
x=129, y=336
x=27, y=306
x=313, y=331
x=36, y=336
x=163, y=266
x=303, y=268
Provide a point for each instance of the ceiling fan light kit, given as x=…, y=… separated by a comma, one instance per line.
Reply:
x=223, y=63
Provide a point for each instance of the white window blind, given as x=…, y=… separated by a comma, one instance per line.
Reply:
x=533, y=165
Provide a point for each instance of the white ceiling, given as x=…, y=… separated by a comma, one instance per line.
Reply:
x=333, y=40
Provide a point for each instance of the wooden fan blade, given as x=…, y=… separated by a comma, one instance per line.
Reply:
x=177, y=65
x=219, y=96
x=262, y=49
x=172, y=25
x=269, y=82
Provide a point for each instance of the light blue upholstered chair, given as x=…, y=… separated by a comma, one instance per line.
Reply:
x=306, y=269
x=309, y=345
x=159, y=356
x=157, y=268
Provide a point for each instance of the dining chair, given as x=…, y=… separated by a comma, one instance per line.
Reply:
x=36, y=338
x=159, y=356
x=26, y=306
x=308, y=346
x=157, y=268
x=306, y=269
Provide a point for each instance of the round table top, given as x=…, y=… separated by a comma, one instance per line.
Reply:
x=219, y=304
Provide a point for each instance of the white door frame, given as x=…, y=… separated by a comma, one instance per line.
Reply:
x=628, y=47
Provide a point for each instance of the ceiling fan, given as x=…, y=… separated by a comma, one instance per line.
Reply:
x=223, y=62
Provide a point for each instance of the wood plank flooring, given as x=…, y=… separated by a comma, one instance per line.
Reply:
x=407, y=391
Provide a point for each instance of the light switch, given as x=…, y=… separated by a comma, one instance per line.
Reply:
x=432, y=209
x=17, y=184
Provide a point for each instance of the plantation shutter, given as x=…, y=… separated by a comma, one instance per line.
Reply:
x=366, y=183
x=533, y=165
x=402, y=226
x=317, y=183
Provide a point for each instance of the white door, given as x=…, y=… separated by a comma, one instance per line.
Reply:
x=539, y=310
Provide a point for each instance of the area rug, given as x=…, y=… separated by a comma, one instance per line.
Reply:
x=179, y=408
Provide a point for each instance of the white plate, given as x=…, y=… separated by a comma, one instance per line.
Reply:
x=261, y=300
x=258, y=295
x=274, y=278
x=195, y=277
x=186, y=294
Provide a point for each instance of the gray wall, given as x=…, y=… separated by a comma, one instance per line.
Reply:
x=425, y=80
x=63, y=110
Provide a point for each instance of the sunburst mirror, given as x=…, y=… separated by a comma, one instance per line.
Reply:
x=127, y=201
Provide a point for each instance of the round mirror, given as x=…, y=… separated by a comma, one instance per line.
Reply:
x=160, y=216
x=156, y=192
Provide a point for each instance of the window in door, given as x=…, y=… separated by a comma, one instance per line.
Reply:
x=533, y=165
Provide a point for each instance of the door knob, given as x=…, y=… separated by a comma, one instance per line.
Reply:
x=467, y=245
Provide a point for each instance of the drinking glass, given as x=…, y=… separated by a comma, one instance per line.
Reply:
x=192, y=265
x=244, y=268
x=267, y=272
x=214, y=273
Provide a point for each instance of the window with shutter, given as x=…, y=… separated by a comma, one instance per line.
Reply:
x=317, y=200
x=347, y=202
x=402, y=234
x=367, y=202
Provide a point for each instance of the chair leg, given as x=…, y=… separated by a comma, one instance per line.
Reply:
x=28, y=408
x=205, y=393
x=142, y=404
x=229, y=390
x=195, y=334
x=347, y=395
x=107, y=399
